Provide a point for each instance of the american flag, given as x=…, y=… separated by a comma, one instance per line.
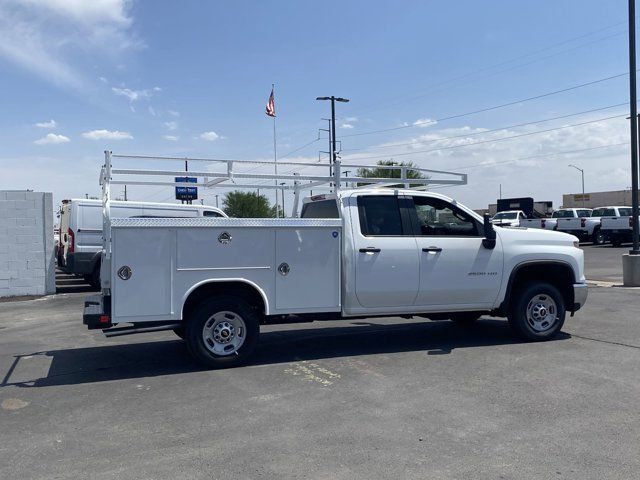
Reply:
x=271, y=106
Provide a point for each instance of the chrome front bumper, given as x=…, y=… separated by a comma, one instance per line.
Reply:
x=580, y=293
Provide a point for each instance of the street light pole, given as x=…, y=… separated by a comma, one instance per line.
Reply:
x=631, y=261
x=334, y=152
x=582, y=174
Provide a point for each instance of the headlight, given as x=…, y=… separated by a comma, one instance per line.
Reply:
x=576, y=244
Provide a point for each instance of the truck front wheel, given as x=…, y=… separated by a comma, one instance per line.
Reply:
x=222, y=332
x=537, y=312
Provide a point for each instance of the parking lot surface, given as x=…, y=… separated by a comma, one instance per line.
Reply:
x=376, y=398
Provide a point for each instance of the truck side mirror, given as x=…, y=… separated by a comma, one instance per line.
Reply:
x=489, y=240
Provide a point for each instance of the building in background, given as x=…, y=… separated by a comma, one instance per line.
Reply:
x=26, y=244
x=597, y=199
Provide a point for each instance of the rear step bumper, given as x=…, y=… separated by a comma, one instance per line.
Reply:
x=97, y=312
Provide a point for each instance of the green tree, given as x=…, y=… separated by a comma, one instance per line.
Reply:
x=247, y=205
x=391, y=173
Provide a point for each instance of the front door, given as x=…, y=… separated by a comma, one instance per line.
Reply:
x=456, y=270
x=386, y=255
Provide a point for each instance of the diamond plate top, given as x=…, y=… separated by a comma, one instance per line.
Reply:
x=226, y=222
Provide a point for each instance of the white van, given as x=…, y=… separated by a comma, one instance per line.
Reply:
x=81, y=229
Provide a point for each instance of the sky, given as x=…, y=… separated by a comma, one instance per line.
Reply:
x=509, y=93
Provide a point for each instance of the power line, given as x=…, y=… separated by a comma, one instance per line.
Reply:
x=505, y=62
x=486, y=131
x=537, y=132
x=488, y=109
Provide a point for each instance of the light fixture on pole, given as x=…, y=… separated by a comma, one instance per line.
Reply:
x=334, y=153
x=581, y=173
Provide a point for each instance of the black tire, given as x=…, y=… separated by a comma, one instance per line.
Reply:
x=524, y=325
x=180, y=331
x=616, y=241
x=465, y=318
x=203, y=318
x=94, y=278
x=598, y=237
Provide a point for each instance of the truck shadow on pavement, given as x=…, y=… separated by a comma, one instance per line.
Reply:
x=170, y=357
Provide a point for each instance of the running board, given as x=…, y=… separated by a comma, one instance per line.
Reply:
x=130, y=330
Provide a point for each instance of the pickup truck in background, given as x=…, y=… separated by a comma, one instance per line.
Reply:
x=361, y=252
x=510, y=218
x=618, y=227
x=549, y=223
x=572, y=221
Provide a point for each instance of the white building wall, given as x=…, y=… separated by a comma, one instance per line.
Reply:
x=26, y=243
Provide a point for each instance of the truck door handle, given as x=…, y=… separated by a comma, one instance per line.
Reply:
x=369, y=250
x=432, y=249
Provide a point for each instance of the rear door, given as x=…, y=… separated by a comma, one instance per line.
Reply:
x=456, y=270
x=386, y=254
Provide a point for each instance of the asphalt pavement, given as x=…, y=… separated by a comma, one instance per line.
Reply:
x=376, y=398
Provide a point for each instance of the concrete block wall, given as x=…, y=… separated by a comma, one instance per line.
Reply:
x=26, y=243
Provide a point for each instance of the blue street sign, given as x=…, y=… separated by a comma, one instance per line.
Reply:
x=186, y=193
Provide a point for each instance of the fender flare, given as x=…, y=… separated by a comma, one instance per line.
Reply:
x=195, y=286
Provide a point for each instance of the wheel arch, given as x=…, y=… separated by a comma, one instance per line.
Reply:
x=556, y=272
x=224, y=286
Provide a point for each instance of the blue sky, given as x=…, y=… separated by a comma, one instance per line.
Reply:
x=192, y=79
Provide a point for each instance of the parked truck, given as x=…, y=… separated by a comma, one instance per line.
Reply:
x=574, y=221
x=361, y=252
x=617, y=227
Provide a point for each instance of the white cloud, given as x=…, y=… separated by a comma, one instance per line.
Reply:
x=52, y=139
x=103, y=79
x=107, y=135
x=50, y=124
x=51, y=37
x=132, y=95
x=346, y=126
x=171, y=125
x=173, y=113
x=171, y=138
x=425, y=122
x=525, y=166
x=351, y=119
x=209, y=136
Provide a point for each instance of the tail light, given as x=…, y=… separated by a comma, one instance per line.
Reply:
x=72, y=241
x=543, y=222
x=583, y=222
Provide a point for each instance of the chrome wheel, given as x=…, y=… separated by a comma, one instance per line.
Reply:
x=542, y=313
x=224, y=333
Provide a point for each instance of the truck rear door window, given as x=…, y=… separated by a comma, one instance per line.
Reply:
x=320, y=209
x=380, y=216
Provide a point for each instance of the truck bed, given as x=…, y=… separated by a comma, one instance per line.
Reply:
x=170, y=257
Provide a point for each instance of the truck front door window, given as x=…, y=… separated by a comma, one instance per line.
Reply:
x=438, y=218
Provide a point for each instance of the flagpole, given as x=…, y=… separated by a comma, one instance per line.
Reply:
x=275, y=152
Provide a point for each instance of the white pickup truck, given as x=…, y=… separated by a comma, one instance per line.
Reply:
x=355, y=253
x=509, y=218
x=617, y=225
x=553, y=223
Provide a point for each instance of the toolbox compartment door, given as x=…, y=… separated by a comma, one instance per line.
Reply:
x=310, y=281
x=149, y=254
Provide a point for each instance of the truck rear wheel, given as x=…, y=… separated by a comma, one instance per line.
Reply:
x=616, y=241
x=222, y=332
x=598, y=237
x=537, y=312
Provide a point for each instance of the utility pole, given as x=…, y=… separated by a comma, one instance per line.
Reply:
x=334, y=152
x=217, y=201
x=581, y=173
x=631, y=261
x=125, y=193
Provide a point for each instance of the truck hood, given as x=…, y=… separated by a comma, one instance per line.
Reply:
x=534, y=236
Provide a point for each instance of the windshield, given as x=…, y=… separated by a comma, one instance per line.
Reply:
x=509, y=215
x=563, y=214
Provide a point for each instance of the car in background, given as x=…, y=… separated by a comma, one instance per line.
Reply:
x=509, y=218
x=618, y=228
